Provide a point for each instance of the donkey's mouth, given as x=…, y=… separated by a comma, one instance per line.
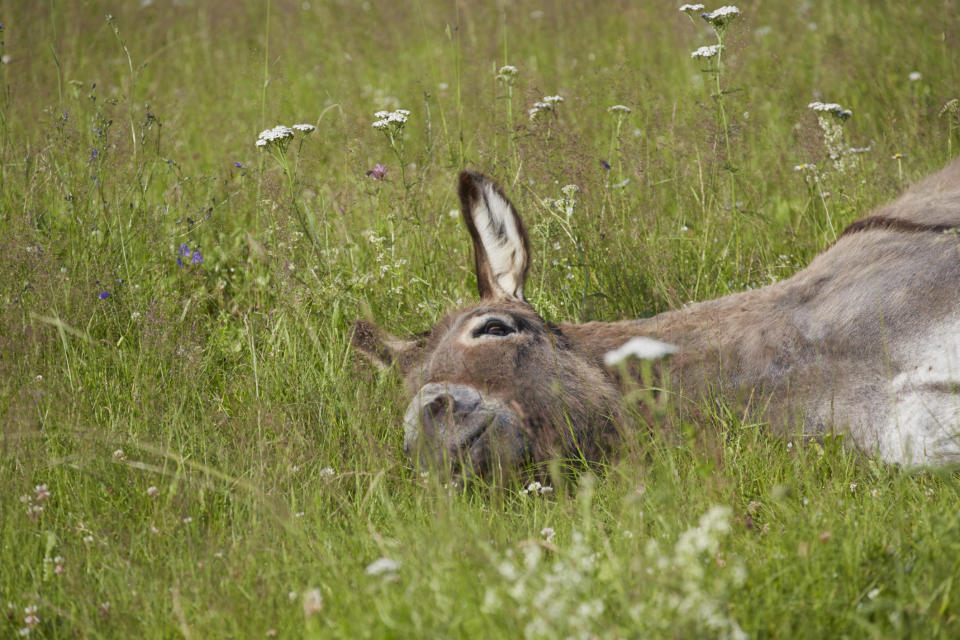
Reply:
x=461, y=429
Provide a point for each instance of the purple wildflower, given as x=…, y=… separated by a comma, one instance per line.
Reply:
x=238, y=165
x=606, y=165
x=94, y=154
x=103, y=295
x=378, y=172
x=184, y=250
x=196, y=258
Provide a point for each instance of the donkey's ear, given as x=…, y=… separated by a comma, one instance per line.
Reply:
x=384, y=350
x=501, y=249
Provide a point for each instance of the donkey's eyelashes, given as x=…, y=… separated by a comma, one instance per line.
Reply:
x=493, y=327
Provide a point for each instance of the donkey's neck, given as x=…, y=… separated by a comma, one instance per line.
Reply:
x=745, y=338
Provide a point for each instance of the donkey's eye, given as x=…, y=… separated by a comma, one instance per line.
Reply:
x=494, y=327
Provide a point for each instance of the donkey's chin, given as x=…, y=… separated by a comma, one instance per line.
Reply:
x=460, y=430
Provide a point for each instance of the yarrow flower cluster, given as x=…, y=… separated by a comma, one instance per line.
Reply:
x=536, y=489
x=276, y=134
x=619, y=109
x=547, y=104
x=707, y=52
x=831, y=107
x=690, y=9
x=832, y=129
x=567, y=203
x=508, y=73
x=280, y=135
x=721, y=17
x=538, y=108
x=387, y=119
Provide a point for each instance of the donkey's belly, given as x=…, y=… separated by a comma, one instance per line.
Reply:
x=922, y=426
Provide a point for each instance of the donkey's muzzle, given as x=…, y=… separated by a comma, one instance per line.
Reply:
x=455, y=424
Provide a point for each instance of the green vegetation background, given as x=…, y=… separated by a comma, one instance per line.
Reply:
x=186, y=423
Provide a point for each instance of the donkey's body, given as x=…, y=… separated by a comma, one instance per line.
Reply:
x=865, y=340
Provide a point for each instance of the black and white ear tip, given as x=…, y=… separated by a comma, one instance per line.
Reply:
x=498, y=234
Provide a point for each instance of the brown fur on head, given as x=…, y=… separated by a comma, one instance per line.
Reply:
x=493, y=384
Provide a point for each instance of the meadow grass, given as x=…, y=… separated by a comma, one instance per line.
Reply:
x=193, y=449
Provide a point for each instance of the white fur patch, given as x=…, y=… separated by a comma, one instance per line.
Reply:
x=639, y=347
x=505, y=251
x=924, y=426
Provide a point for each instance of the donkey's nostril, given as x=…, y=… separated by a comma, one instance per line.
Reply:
x=438, y=405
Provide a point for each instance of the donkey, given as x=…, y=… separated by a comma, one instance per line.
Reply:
x=864, y=341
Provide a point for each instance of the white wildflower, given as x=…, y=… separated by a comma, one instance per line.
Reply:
x=387, y=119
x=706, y=52
x=507, y=71
x=639, y=347
x=570, y=190
x=327, y=472
x=538, y=108
x=548, y=533
x=691, y=8
x=306, y=128
x=831, y=107
x=279, y=134
x=915, y=76
x=873, y=593
x=722, y=16
x=153, y=492
x=119, y=455
x=536, y=489
x=382, y=566
x=619, y=108
x=553, y=99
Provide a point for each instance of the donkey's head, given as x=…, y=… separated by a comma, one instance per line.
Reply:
x=493, y=385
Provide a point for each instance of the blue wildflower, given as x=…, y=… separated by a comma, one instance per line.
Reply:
x=94, y=154
x=238, y=165
x=103, y=295
x=197, y=258
x=605, y=164
x=184, y=250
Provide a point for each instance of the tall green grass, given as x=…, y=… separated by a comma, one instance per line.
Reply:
x=215, y=453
